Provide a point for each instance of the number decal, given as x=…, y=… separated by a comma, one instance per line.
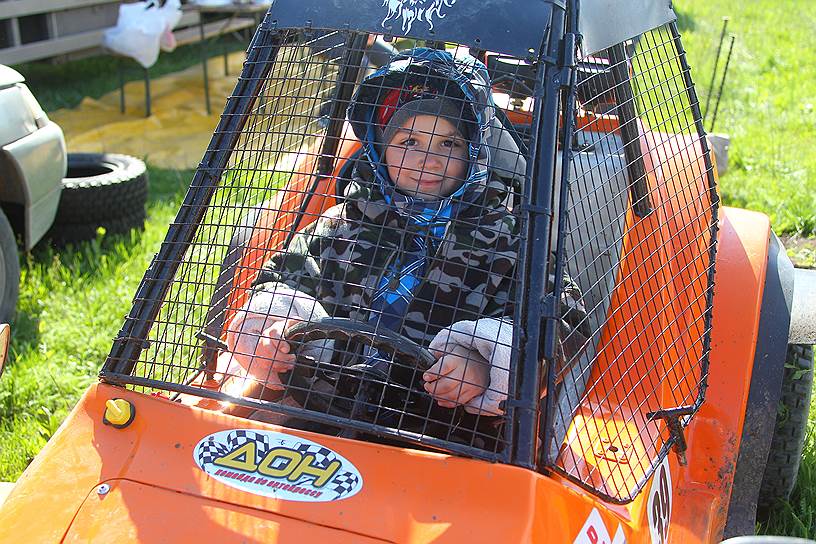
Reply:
x=659, y=504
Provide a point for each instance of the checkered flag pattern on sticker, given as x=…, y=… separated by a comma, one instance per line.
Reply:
x=344, y=483
x=323, y=456
x=238, y=438
x=211, y=450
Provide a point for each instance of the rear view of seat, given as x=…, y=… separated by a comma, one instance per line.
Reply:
x=598, y=203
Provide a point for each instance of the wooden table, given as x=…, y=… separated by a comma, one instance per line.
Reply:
x=242, y=15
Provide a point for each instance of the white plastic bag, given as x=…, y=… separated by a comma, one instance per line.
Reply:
x=142, y=28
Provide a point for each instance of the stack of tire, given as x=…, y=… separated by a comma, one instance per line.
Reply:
x=100, y=190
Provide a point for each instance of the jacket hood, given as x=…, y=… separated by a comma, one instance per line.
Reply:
x=434, y=72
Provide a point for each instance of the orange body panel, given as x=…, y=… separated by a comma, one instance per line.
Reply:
x=121, y=516
x=651, y=322
x=408, y=495
x=519, y=117
x=157, y=490
x=716, y=430
x=596, y=122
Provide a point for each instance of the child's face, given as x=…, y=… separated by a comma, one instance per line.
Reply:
x=427, y=157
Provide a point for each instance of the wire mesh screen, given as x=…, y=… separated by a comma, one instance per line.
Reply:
x=353, y=265
x=637, y=238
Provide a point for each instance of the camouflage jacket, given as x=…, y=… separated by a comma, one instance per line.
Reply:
x=340, y=258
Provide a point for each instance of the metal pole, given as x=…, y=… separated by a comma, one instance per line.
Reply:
x=204, y=61
x=147, y=92
x=714, y=71
x=630, y=133
x=535, y=317
x=722, y=84
x=121, y=71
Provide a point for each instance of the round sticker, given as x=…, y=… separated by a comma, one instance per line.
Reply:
x=277, y=465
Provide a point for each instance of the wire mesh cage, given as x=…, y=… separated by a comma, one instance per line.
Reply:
x=637, y=234
x=346, y=259
x=352, y=255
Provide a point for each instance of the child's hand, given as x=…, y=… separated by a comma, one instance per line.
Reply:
x=269, y=356
x=273, y=347
x=457, y=377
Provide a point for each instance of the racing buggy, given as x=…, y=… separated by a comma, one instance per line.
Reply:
x=628, y=341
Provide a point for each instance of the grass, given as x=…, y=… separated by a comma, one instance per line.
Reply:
x=769, y=104
x=769, y=110
x=73, y=301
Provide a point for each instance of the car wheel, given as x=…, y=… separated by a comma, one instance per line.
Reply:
x=100, y=190
x=789, y=430
x=9, y=271
x=102, y=186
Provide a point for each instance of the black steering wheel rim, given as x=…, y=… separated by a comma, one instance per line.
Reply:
x=338, y=328
x=369, y=382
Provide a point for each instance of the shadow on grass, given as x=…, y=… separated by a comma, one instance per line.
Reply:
x=167, y=185
x=685, y=22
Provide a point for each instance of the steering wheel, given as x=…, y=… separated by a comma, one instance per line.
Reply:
x=361, y=391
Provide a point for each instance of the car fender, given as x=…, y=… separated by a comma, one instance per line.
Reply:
x=765, y=383
x=34, y=167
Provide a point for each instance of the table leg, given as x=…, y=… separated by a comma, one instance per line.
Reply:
x=226, y=60
x=204, y=64
x=147, y=92
x=121, y=71
x=224, y=48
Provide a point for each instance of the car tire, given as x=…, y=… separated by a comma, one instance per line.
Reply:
x=789, y=431
x=102, y=186
x=9, y=271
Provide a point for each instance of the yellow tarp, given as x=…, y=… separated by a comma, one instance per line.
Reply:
x=178, y=130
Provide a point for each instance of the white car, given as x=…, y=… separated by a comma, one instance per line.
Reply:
x=33, y=162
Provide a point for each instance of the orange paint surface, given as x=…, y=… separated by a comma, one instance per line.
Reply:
x=407, y=495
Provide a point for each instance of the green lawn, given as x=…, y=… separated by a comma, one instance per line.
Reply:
x=73, y=301
x=769, y=110
x=769, y=103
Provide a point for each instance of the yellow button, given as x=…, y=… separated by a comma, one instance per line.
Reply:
x=118, y=412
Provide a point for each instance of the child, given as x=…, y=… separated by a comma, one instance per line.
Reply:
x=424, y=244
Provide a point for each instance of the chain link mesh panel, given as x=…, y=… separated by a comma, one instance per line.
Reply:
x=637, y=235
x=355, y=275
